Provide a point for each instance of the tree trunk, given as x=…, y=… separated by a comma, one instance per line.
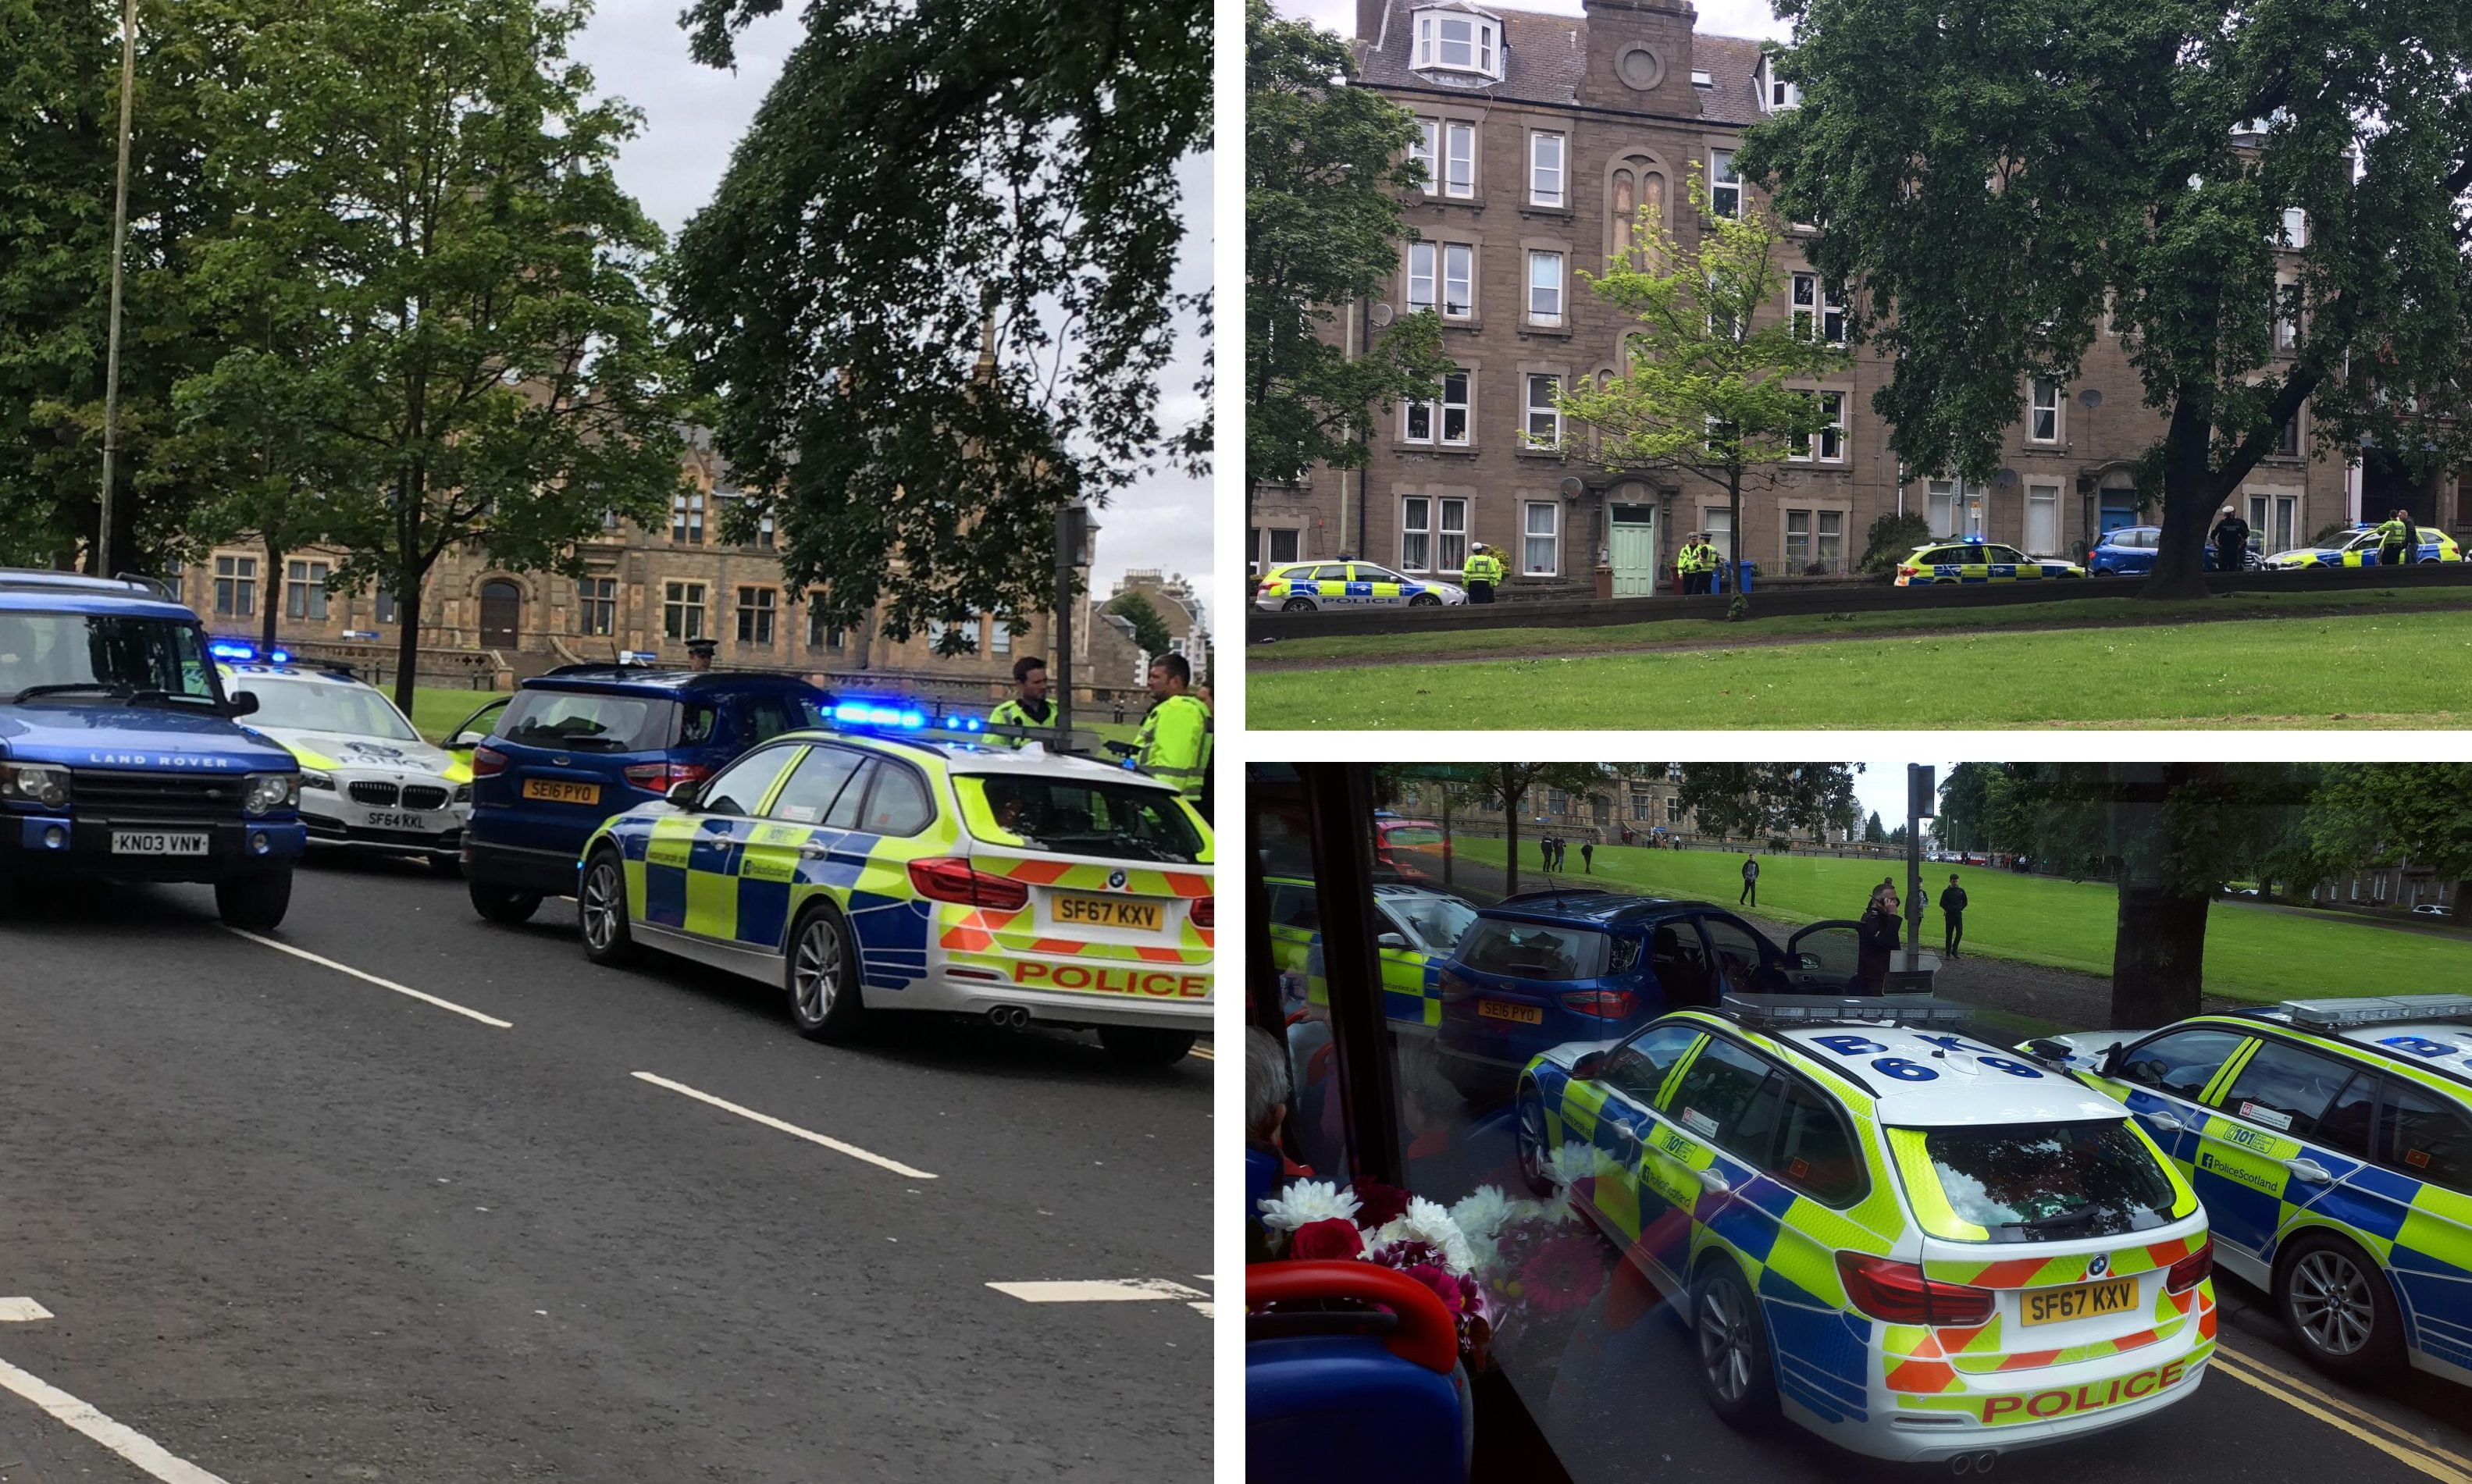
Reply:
x=407, y=643
x=1734, y=535
x=2179, y=571
x=2158, y=959
x=275, y=594
x=1509, y=835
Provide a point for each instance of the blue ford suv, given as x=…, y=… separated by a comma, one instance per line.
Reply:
x=1541, y=968
x=120, y=754
x=579, y=745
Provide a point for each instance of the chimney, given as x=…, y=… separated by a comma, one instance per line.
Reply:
x=1640, y=56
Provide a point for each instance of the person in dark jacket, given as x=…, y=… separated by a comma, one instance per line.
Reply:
x=2231, y=542
x=1952, y=911
x=1878, y=934
x=1588, y=856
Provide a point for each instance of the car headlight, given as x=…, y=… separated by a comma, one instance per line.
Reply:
x=35, y=783
x=312, y=778
x=462, y=793
x=269, y=792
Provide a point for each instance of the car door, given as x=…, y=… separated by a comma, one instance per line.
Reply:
x=1743, y=962
x=2423, y=1172
x=1636, y=1200
x=1825, y=958
x=2255, y=1164
x=789, y=848
x=1677, y=957
x=1718, y=1120
x=1404, y=1000
x=691, y=861
x=2162, y=1080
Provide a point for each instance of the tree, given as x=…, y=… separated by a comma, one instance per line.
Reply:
x=1323, y=163
x=1998, y=179
x=933, y=294
x=1706, y=385
x=2379, y=813
x=1769, y=801
x=1149, y=630
x=1964, y=799
x=482, y=365
x=1893, y=534
x=1873, y=832
x=1506, y=785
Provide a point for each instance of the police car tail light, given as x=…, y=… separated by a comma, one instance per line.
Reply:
x=2192, y=1270
x=661, y=777
x=488, y=762
x=1896, y=1292
x=1204, y=912
x=1606, y=1003
x=952, y=879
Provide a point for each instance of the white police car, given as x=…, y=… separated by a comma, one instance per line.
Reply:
x=1917, y=1244
x=368, y=778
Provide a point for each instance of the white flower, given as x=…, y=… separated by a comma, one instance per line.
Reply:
x=1426, y=1221
x=1570, y=1162
x=1481, y=1212
x=1307, y=1201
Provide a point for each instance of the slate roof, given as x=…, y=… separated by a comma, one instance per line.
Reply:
x=1547, y=57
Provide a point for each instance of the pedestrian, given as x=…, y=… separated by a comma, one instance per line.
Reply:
x=2231, y=542
x=1268, y=1167
x=1750, y=896
x=1877, y=937
x=700, y=654
x=1174, y=743
x=1545, y=851
x=1029, y=707
x=2394, y=534
x=1588, y=858
x=1484, y=572
x=1952, y=911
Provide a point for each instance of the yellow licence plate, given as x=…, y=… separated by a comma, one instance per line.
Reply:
x=1504, y=1010
x=1107, y=912
x=559, y=790
x=2051, y=1306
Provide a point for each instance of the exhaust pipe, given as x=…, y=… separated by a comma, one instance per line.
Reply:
x=1974, y=1463
x=1009, y=1017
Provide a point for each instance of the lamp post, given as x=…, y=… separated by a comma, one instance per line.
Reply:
x=1075, y=534
x=102, y=552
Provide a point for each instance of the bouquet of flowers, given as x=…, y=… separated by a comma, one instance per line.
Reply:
x=1386, y=1225
x=1537, y=1259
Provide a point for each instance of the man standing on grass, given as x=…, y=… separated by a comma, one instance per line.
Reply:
x=1751, y=883
x=1588, y=856
x=1952, y=911
x=2231, y=542
x=2394, y=535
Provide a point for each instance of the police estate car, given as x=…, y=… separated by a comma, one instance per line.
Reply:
x=870, y=873
x=1416, y=927
x=1297, y=586
x=1974, y=559
x=2360, y=548
x=2331, y=1141
x=1922, y=1246
x=367, y=780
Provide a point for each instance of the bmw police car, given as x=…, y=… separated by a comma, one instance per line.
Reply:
x=1976, y=560
x=2360, y=548
x=869, y=873
x=1922, y=1246
x=1298, y=586
x=2331, y=1141
x=367, y=780
x=1415, y=929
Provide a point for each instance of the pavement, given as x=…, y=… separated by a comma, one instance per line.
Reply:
x=290, y=1221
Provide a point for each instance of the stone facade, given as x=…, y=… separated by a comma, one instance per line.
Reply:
x=1536, y=165
x=1115, y=660
x=1642, y=806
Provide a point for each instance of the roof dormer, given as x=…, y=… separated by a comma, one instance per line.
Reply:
x=1458, y=38
x=1776, y=94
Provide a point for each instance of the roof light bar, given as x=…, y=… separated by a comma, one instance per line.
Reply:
x=2379, y=1010
x=1788, y=1011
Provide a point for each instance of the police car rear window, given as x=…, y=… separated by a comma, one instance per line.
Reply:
x=585, y=721
x=2049, y=1182
x=1076, y=817
x=1535, y=951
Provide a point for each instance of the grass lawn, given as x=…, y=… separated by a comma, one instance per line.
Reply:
x=2398, y=669
x=2252, y=953
x=436, y=713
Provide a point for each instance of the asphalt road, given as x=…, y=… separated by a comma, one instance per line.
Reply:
x=289, y=1224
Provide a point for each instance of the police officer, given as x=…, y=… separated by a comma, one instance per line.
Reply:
x=1694, y=566
x=1029, y=705
x=2231, y=542
x=1174, y=743
x=1483, y=570
x=700, y=654
x=2394, y=534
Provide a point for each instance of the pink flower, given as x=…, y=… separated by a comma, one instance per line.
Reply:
x=1444, y=1284
x=1331, y=1239
x=1564, y=1273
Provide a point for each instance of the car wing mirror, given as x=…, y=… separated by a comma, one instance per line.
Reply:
x=682, y=793
x=1391, y=940
x=2110, y=1065
x=244, y=704
x=462, y=742
x=1589, y=1064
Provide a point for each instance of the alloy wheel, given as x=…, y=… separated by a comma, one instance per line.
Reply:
x=2331, y=1299
x=819, y=969
x=1725, y=1342
x=603, y=898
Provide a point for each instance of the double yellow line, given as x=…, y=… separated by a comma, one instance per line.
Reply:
x=2334, y=1411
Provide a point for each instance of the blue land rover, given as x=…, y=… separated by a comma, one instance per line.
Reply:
x=120, y=757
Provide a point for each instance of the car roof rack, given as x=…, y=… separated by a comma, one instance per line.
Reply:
x=2375, y=1010
x=1789, y=1012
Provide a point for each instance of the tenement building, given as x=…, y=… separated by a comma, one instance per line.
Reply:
x=1543, y=135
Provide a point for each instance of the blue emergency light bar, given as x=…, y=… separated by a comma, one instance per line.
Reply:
x=245, y=653
x=894, y=714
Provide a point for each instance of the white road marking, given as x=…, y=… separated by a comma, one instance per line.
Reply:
x=1205, y=1053
x=770, y=1122
x=1120, y=1290
x=400, y=989
x=128, y=1442
x=21, y=1310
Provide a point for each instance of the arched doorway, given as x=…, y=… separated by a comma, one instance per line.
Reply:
x=502, y=613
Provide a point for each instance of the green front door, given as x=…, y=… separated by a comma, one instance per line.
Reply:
x=1634, y=550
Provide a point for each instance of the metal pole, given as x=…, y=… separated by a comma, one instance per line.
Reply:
x=1071, y=525
x=1920, y=801
x=102, y=552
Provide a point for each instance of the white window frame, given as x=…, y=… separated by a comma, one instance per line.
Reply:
x=1545, y=180
x=1450, y=532
x=595, y=601
x=2295, y=231
x=304, y=589
x=1831, y=434
x=1483, y=42
x=1459, y=141
x=1794, y=564
x=1552, y=536
x=2046, y=494
x=1812, y=312
x=1416, y=533
x=1724, y=185
x=1426, y=149
x=2036, y=407
x=1422, y=267
x=686, y=518
x=1549, y=411
x=1828, y=546
x=1464, y=406
x=1458, y=276
x=235, y=586
x=1544, y=299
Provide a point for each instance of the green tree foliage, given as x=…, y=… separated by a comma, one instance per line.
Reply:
x=1893, y=534
x=2379, y=814
x=1149, y=630
x=1705, y=387
x=1768, y=801
x=1324, y=162
x=920, y=176
x=1992, y=177
x=1508, y=787
x=1965, y=798
x=1873, y=832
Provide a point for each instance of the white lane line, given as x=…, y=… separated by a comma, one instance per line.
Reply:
x=21, y=1311
x=770, y=1122
x=1205, y=1053
x=1120, y=1290
x=128, y=1442
x=400, y=989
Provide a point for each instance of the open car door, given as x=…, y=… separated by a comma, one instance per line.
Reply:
x=1824, y=958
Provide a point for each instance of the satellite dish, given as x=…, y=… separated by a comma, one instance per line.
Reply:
x=1573, y=487
x=2005, y=477
x=2090, y=399
x=1381, y=316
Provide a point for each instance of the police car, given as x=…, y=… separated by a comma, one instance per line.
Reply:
x=367, y=780
x=865, y=872
x=1976, y=560
x=1920, y=1245
x=2360, y=548
x=1296, y=587
x=2331, y=1141
x=1416, y=927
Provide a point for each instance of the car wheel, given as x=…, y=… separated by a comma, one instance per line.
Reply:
x=503, y=903
x=601, y=909
x=1528, y=1139
x=819, y=975
x=257, y=900
x=1143, y=1046
x=448, y=865
x=1297, y=605
x=1426, y=601
x=2337, y=1305
x=1729, y=1343
x=2429, y=561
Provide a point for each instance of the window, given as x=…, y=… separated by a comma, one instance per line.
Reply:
x=1416, y=533
x=1831, y=434
x=1458, y=176
x=1455, y=409
x=1797, y=540
x=999, y=636
x=386, y=605
x=682, y=610
x=1458, y=280
x=740, y=787
x=2296, y=227
x=1739, y=959
x=1724, y=185
x=1545, y=170
x=1544, y=415
x=1813, y=313
x=1721, y=316
x=1673, y=810
x=304, y=589
x=1816, y=1151
x=1719, y=1095
x=2045, y=1182
x=1420, y=276
x=2287, y=328
x=1535, y=951
x=235, y=586
x=1283, y=544
x=1637, y=1069
x=2286, y=438
x=1541, y=546
x=1545, y=288
x=595, y=601
x=2042, y=519
x=2181, y=1063
x=1450, y=541
x=2425, y=1137
x=820, y=634
x=2285, y=1089
x=1780, y=95
x=815, y=783
x=1422, y=151
x=755, y=616
x=1460, y=43
x=686, y=519
x=1830, y=551
x=1639, y=808
x=2043, y=416
x=765, y=533
x=1719, y=522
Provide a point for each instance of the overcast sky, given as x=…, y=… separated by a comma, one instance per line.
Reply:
x=1717, y=17
x=692, y=117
